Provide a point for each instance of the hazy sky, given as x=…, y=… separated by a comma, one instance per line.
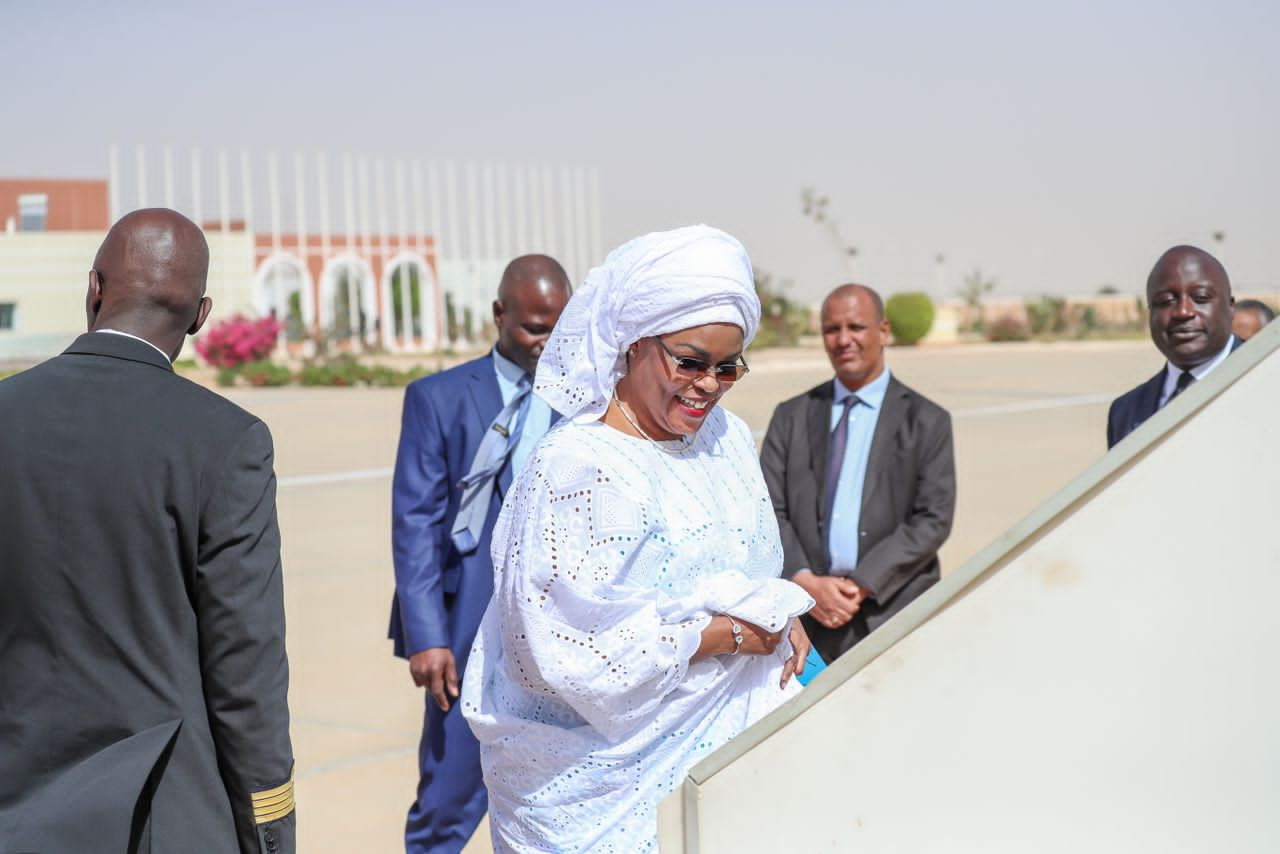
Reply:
x=1058, y=147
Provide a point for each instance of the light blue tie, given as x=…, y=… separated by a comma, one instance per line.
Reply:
x=477, y=486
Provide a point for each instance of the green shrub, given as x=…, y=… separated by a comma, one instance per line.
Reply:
x=331, y=373
x=1008, y=328
x=910, y=316
x=383, y=377
x=1048, y=316
x=227, y=376
x=265, y=373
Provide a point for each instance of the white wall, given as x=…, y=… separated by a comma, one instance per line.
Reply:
x=46, y=275
x=1103, y=678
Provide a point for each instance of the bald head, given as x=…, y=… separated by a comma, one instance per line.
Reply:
x=859, y=291
x=538, y=272
x=533, y=292
x=1189, y=296
x=854, y=333
x=1180, y=256
x=148, y=278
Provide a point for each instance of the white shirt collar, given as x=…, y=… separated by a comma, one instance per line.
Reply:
x=1172, y=372
x=136, y=338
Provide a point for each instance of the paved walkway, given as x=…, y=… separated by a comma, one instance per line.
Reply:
x=1028, y=418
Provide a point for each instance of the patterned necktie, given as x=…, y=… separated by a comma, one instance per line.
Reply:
x=835, y=454
x=477, y=486
x=1185, y=379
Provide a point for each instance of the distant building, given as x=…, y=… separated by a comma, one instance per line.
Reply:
x=53, y=204
x=370, y=276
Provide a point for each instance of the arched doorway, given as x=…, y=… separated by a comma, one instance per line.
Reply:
x=282, y=289
x=411, y=287
x=348, y=305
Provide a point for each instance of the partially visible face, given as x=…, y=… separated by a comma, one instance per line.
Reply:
x=1190, y=309
x=854, y=338
x=667, y=403
x=525, y=320
x=1246, y=323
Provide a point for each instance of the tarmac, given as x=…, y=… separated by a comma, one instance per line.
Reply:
x=1027, y=417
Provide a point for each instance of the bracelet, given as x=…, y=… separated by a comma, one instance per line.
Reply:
x=737, y=635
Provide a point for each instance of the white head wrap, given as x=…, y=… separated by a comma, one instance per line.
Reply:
x=658, y=283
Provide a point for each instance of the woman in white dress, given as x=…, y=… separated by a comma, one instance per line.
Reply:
x=638, y=622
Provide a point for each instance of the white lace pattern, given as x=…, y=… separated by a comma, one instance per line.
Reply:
x=610, y=557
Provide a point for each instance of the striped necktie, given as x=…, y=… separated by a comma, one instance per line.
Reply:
x=477, y=486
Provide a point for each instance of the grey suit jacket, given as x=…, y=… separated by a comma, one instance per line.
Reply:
x=908, y=500
x=142, y=660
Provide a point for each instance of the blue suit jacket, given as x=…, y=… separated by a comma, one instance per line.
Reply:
x=441, y=594
x=1130, y=409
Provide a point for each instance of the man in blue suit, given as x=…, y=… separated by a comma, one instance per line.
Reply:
x=464, y=432
x=1190, y=305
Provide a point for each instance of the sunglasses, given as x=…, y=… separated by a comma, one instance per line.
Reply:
x=687, y=366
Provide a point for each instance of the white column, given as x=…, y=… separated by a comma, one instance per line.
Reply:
x=246, y=192
x=537, y=232
x=583, y=256
x=406, y=297
x=570, y=259
x=167, y=159
x=304, y=245
x=388, y=324
x=224, y=192
x=113, y=183
x=456, y=283
x=273, y=198
x=489, y=209
x=322, y=189
x=437, y=231
x=349, y=219
x=426, y=290
x=196, y=213
x=505, y=250
x=362, y=174
x=472, y=297
x=326, y=245
x=548, y=217
x=593, y=195
x=141, y=160
x=521, y=216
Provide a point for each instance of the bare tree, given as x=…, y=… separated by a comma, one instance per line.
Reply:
x=975, y=287
x=814, y=207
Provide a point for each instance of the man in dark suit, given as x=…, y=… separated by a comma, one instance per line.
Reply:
x=1190, y=311
x=1249, y=317
x=862, y=475
x=142, y=657
x=464, y=433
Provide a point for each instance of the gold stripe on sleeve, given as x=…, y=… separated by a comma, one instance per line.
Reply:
x=273, y=804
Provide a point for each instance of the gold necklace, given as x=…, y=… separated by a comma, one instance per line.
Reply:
x=622, y=407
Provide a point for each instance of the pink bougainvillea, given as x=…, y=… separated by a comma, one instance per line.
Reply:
x=237, y=340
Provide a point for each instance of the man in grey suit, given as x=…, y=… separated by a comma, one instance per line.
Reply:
x=862, y=475
x=142, y=658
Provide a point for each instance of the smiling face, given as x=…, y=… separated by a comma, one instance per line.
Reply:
x=854, y=333
x=1190, y=300
x=666, y=402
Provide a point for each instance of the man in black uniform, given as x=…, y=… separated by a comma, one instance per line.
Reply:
x=142, y=660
